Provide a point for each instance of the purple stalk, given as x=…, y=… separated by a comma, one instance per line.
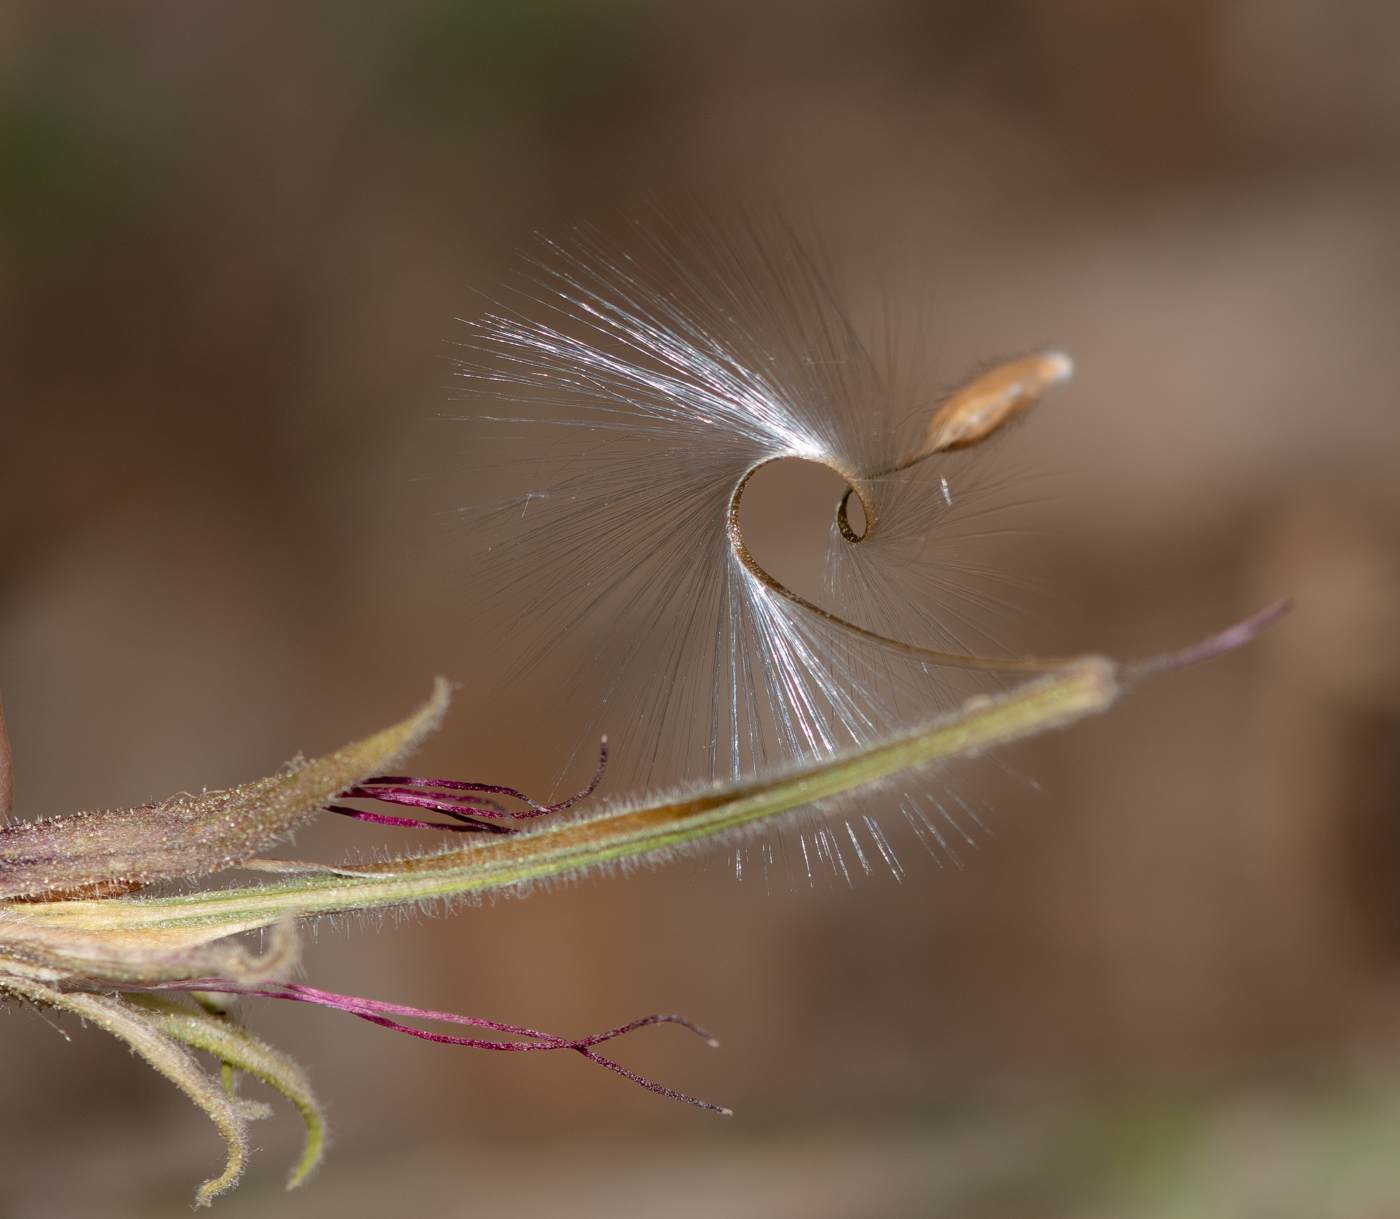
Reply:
x=1218, y=644
x=475, y=815
x=467, y=827
x=377, y=1012
x=415, y=798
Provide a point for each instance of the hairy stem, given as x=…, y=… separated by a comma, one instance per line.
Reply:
x=623, y=834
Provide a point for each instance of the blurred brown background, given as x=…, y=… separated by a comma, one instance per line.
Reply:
x=233, y=242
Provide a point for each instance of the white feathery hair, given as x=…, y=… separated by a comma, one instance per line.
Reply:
x=664, y=376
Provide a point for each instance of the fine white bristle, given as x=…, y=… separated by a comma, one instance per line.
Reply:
x=665, y=376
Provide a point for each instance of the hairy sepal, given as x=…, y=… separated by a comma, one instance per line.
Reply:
x=32, y=947
x=237, y=1048
x=165, y=1052
x=116, y=850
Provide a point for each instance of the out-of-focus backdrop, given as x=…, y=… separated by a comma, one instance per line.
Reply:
x=234, y=240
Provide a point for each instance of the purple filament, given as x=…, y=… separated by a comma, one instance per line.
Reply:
x=467, y=827
x=377, y=1012
x=474, y=815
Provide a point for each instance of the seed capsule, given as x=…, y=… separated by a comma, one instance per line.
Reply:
x=991, y=401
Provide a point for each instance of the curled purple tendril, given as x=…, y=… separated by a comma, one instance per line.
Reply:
x=377, y=1012
x=473, y=816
